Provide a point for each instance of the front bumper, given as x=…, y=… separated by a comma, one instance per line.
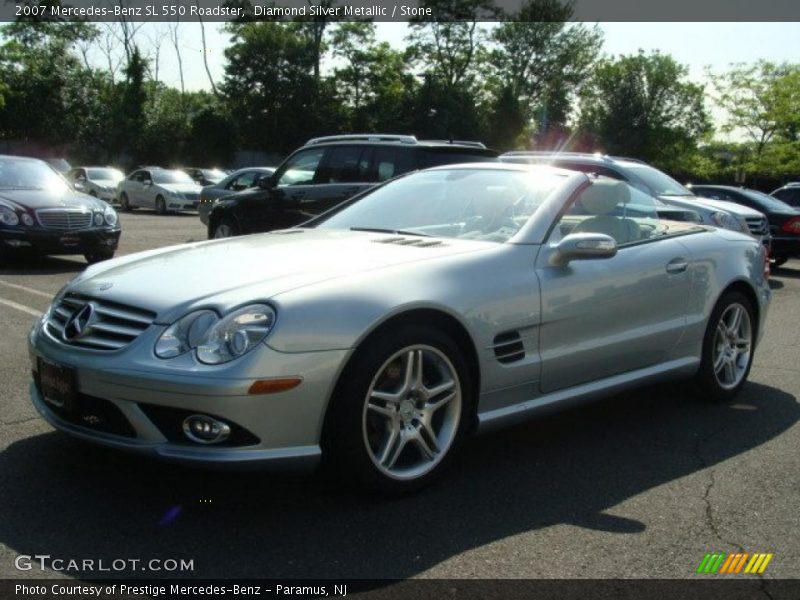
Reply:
x=36, y=240
x=179, y=204
x=203, y=209
x=121, y=403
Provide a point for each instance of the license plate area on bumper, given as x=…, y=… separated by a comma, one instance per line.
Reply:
x=58, y=384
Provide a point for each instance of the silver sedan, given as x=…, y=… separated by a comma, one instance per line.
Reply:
x=381, y=335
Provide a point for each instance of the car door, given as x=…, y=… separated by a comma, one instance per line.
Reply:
x=606, y=317
x=344, y=173
x=296, y=190
x=147, y=190
x=133, y=188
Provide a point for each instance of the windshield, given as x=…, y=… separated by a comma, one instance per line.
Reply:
x=485, y=204
x=767, y=202
x=29, y=174
x=105, y=174
x=660, y=183
x=171, y=177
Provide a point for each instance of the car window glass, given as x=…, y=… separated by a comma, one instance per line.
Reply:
x=301, y=168
x=434, y=158
x=243, y=181
x=342, y=166
x=616, y=209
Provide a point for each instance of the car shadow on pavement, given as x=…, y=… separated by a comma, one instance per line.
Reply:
x=68, y=499
x=41, y=265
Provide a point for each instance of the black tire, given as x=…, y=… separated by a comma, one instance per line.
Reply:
x=779, y=261
x=224, y=228
x=346, y=433
x=706, y=380
x=161, y=205
x=99, y=256
x=124, y=203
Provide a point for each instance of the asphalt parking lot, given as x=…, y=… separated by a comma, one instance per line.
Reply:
x=639, y=485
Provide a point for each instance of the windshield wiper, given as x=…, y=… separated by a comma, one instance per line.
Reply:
x=394, y=231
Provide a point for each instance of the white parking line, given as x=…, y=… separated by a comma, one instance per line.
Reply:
x=22, y=307
x=16, y=286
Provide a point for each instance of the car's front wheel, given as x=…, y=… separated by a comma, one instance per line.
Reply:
x=161, y=205
x=225, y=228
x=124, y=202
x=727, y=347
x=400, y=411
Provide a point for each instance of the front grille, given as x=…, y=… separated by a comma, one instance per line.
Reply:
x=111, y=327
x=64, y=219
x=757, y=225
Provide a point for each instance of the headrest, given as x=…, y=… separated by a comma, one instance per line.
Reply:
x=604, y=195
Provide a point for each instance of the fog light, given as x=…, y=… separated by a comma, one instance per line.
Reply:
x=205, y=430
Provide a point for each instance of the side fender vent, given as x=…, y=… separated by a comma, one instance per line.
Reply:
x=508, y=347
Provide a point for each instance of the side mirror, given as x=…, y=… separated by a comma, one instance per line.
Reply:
x=81, y=179
x=583, y=246
x=78, y=186
x=266, y=182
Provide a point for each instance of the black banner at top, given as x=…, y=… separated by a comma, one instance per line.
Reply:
x=390, y=10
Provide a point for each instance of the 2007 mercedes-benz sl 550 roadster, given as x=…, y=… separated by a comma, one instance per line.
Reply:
x=378, y=336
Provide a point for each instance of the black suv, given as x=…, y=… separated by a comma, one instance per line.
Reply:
x=328, y=171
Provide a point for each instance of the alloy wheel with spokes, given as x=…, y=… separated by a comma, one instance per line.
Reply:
x=728, y=347
x=401, y=409
x=732, y=346
x=411, y=412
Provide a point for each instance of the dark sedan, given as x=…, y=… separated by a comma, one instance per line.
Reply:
x=784, y=220
x=41, y=214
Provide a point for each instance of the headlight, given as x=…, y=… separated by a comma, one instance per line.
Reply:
x=726, y=221
x=185, y=333
x=27, y=219
x=98, y=219
x=8, y=216
x=110, y=215
x=216, y=340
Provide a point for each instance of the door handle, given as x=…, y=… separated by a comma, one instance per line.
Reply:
x=677, y=265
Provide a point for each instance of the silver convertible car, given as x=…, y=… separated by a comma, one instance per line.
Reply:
x=377, y=337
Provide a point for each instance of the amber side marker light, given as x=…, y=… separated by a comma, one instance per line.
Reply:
x=273, y=386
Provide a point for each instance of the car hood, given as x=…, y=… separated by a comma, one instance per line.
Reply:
x=225, y=273
x=182, y=188
x=729, y=207
x=35, y=199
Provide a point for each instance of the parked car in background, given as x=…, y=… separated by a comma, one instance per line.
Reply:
x=382, y=334
x=100, y=182
x=237, y=181
x=41, y=214
x=784, y=220
x=205, y=176
x=329, y=170
x=656, y=183
x=163, y=190
x=789, y=193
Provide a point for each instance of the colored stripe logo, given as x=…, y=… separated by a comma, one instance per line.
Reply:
x=741, y=562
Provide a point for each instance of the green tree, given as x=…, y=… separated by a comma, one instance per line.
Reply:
x=762, y=100
x=643, y=105
x=539, y=64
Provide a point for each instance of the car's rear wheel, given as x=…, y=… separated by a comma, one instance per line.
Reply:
x=400, y=411
x=124, y=202
x=161, y=205
x=225, y=228
x=727, y=347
